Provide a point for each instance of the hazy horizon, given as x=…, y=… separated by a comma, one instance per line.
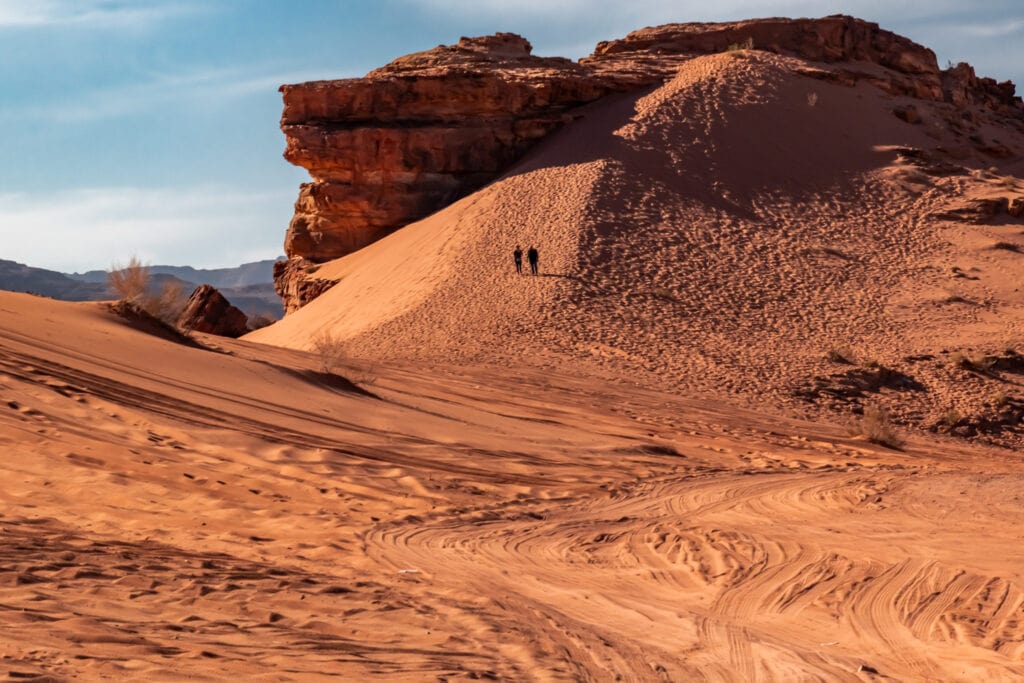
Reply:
x=150, y=127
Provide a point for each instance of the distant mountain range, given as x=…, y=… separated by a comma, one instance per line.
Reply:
x=245, y=275
x=249, y=286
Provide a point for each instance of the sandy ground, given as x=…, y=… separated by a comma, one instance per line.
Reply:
x=173, y=512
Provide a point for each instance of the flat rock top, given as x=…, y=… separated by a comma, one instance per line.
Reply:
x=486, y=53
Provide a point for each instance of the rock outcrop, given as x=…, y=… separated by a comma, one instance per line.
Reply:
x=413, y=136
x=295, y=282
x=208, y=311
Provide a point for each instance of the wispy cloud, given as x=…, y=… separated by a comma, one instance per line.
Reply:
x=112, y=14
x=197, y=88
x=994, y=29
x=680, y=11
x=207, y=226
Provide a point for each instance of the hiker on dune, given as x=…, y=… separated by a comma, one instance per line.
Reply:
x=518, y=256
x=533, y=257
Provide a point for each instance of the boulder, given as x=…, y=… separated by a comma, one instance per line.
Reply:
x=208, y=311
x=908, y=113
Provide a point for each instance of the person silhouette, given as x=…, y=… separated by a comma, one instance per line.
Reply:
x=518, y=256
x=533, y=258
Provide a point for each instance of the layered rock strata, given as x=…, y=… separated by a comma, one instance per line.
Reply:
x=413, y=136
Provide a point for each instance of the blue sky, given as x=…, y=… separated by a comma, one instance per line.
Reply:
x=150, y=127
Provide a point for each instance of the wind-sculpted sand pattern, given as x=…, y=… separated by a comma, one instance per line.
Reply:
x=231, y=514
x=734, y=577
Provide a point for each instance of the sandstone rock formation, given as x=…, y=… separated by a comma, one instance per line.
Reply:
x=295, y=283
x=208, y=311
x=413, y=136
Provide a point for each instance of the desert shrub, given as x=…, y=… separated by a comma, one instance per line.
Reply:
x=841, y=354
x=747, y=44
x=165, y=304
x=664, y=293
x=876, y=426
x=259, y=321
x=974, y=363
x=364, y=375
x=1000, y=399
x=330, y=350
x=951, y=418
x=812, y=99
x=129, y=282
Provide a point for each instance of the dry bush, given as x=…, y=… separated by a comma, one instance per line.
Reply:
x=664, y=293
x=842, y=354
x=975, y=363
x=129, y=282
x=259, y=321
x=167, y=304
x=330, y=350
x=877, y=427
x=812, y=99
x=747, y=44
x=951, y=418
x=362, y=375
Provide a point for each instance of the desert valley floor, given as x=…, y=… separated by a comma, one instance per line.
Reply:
x=232, y=512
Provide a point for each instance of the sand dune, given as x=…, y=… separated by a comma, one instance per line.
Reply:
x=721, y=233
x=232, y=513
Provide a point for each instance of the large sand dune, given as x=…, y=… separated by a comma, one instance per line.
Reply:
x=171, y=512
x=720, y=233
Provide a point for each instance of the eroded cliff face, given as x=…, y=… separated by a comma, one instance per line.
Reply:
x=413, y=136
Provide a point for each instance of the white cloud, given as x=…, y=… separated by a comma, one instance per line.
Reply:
x=91, y=14
x=995, y=29
x=660, y=11
x=190, y=89
x=112, y=14
x=202, y=226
